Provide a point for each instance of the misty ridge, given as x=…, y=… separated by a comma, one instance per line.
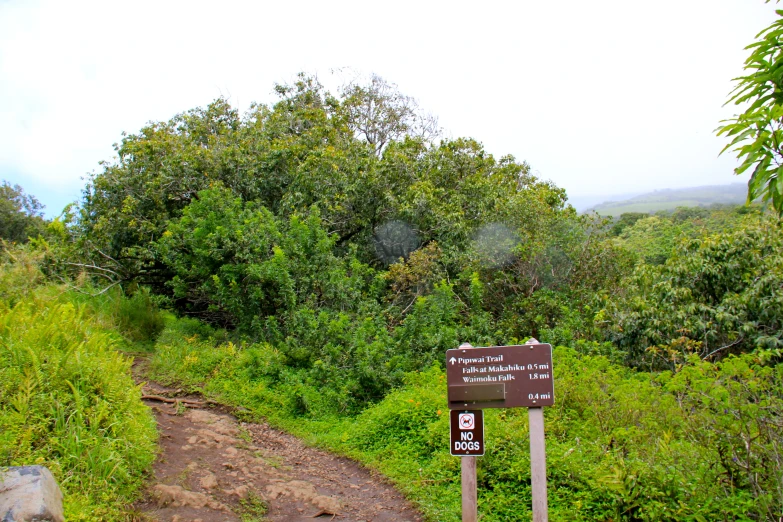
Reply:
x=662, y=199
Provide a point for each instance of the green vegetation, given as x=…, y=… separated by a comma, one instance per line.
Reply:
x=718, y=294
x=253, y=508
x=20, y=214
x=621, y=444
x=290, y=226
x=756, y=133
x=321, y=254
x=653, y=238
x=67, y=400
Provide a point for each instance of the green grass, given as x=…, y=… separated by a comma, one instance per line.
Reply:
x=67, y=399
x=253, y=508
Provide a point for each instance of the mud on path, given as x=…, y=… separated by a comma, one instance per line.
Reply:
x=213, y=467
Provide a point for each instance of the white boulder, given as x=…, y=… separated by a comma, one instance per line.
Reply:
x=29, y=494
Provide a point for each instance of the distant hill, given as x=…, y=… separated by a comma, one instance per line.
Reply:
x=669, y=199
x=586, y=202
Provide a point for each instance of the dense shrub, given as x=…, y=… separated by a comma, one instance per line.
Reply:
x=714, y=296
x=653, y=238
x=237, y=264
x=621, y=445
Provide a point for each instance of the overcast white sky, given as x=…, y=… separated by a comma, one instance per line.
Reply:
x=602, y=97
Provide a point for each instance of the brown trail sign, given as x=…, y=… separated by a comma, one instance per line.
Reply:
x=500, y=377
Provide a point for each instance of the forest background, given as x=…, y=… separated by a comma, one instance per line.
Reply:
x=312, y=260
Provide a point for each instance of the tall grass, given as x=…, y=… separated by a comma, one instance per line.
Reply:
x=133, y=314
x=67, y=399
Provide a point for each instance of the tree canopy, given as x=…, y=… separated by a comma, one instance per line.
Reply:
x=20, y=214
x=310, y=148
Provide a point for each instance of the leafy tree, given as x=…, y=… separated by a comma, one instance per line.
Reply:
x=626, y=220
x=446, y=216
x=159, y=171
x=286, y=157
x=238, y=264
x=307, y=150
x=20, y=214
x=682, y=214
x=379, y=113
x=653, y=238
x=757, y=134
x=714, y=296
x=548, y=287
x=223, y=257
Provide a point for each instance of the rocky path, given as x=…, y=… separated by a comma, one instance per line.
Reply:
x=212, y=467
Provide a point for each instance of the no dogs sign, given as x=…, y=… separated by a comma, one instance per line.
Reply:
x=467, y=433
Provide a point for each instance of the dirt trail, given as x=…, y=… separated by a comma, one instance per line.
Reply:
x=212, y=467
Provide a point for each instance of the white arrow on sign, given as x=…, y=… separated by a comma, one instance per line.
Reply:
x=452, y=360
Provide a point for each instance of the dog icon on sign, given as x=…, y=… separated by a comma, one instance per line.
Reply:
x=467, y=421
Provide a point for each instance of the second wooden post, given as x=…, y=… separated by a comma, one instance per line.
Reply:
x=538, y=464
x=469, y=490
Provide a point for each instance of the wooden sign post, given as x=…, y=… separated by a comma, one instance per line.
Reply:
x=501, y=377
x=538, y=464
x=469, y=490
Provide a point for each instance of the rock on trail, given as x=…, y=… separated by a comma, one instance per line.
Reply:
x=214, y=468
